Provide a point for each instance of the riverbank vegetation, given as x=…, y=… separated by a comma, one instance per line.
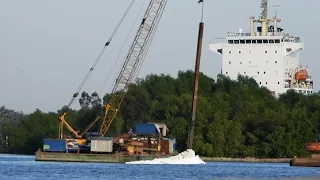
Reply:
x=234, y=118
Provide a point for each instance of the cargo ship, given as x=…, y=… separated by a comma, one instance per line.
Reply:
x=267, y=54
x=145, y=143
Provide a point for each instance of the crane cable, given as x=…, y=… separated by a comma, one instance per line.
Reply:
x=100, y=55
x=104, y=84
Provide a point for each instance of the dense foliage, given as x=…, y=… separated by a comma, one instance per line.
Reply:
x=234, y=118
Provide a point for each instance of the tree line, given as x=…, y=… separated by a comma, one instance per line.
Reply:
x=234, y=118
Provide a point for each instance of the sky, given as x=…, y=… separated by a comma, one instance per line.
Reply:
x=47, y=47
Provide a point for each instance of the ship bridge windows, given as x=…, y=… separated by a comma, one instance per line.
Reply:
x=254, y=41
x=274, y=41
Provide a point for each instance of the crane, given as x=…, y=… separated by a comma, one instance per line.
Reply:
x=133, y=60
x=131, y=65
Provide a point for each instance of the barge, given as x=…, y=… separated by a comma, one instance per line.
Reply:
x=98, y=158
x=147, y=143
x=306, y=162
x=313, y=160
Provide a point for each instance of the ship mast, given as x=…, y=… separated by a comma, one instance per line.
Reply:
x=264, y=21
x=264, y=7
x=264, y=17
x=275, y=23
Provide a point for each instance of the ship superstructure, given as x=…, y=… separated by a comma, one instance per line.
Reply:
x=268, y=55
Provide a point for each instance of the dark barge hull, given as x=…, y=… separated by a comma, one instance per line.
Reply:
x=313, y=161
x=307, y=162
x=98, y=158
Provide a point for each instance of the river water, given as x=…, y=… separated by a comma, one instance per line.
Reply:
x=14, y=167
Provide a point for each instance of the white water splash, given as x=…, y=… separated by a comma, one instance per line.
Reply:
x=186, y=157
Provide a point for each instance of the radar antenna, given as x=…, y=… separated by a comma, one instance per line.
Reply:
x=276, y=9
x=264, y=6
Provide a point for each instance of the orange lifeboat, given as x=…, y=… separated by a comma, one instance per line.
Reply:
x=313, y=147
x=302, y=75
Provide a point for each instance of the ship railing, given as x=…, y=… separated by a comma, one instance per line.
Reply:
x=286, y=36
x=231, y=34
x=299, y=86
x=218, y=40
x=291, y=39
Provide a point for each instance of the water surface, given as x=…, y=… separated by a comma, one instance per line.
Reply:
x=14, y=167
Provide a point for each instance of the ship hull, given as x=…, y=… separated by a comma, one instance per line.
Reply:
x=313, y=161
x=306, y=162
x=97, y=158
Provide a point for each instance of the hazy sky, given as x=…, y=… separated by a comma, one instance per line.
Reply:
x=47, y=47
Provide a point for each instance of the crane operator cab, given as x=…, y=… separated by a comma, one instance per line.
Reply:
x=89, y=136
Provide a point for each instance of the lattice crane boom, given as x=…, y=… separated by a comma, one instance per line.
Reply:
x=133, y=60
x=62, y=120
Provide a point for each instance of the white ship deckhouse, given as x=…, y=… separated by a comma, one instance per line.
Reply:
x=268, y=55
